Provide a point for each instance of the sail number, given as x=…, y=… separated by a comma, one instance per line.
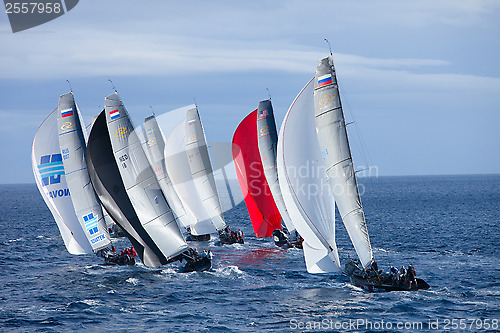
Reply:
x=123, y=159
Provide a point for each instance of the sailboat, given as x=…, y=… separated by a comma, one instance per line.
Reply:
x=72, y=144
x=190, y=170
x=334, y=143
x=302, y=182
x=58, y=158
x=329, y=151
x=155, y=149
x=261, y=207
x=254, y=155
x=128, y=189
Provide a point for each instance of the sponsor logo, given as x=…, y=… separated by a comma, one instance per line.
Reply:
x=90, y=223
x=59, y=193
x=65, y=153
x=121, y=132
x=98, y=238
x=51, y=169
x=67, y=126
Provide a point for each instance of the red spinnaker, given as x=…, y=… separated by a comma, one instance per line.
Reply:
x=261, y=207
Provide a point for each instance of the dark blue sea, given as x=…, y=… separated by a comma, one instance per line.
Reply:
x=448, y=227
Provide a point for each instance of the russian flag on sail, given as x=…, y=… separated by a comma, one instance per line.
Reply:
x=191, y=122
x=114, y=114
x=66, y=113
x=324, y=80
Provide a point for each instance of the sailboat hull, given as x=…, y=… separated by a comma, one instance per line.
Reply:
x=377, y=288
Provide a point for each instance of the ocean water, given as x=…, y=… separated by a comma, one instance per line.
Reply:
x=447, y=226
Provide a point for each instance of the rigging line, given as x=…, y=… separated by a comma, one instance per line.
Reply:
x=69, y=83
x=362, y=142
x=152, y=111
x=112, y=84
x=269, y=93
x=329, y=47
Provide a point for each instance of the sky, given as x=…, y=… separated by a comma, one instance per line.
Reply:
x=419, y=79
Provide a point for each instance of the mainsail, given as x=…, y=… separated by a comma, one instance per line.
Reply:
x=155, y=150
x=268, y=142
x=72, y=144
x=140, y=182
x=50, y=178
x=109, y=187
x=302, y=180
x=332, y=137
x=201, y=168
x=260, y=204
x=182, y=180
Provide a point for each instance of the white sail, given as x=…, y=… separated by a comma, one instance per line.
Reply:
x=182, y=180
x=303, y=185
x=50, y=178
x=155, y=150
x=201, y=168
x=140, y=182
x=267, y=136
x=332, y=136
x=72, y=144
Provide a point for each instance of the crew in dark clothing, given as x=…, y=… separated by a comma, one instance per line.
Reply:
x=411, y=277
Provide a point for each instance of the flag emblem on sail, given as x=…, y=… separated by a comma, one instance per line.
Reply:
x=191, y=122
x=114, y=114
x=91, y=223
x=66, y=113
x=51, y=169
x=324, y=80
x=263, y=113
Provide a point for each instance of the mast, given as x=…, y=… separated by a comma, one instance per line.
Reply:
x=334, y=144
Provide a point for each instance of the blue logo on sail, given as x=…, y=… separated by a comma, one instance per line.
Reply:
x=51, y=169
x=90, y=223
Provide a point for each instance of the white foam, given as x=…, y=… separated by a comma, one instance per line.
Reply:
x=133, y=281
